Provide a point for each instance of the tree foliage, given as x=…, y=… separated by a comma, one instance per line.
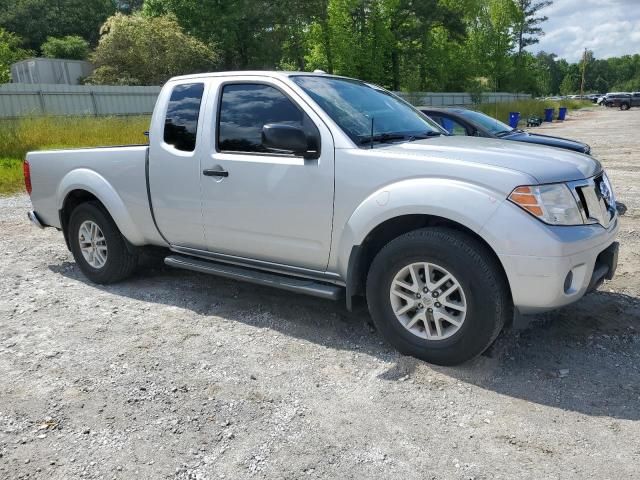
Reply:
x=433, y=45
x=527, y=28
x=10, y=52
x=71, y=47
x=129, y=6
x=35, y=20
x=140, y=50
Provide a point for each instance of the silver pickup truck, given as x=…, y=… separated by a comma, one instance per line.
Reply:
x=336, y=188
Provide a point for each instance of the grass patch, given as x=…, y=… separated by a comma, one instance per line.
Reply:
x=11, y=179
x=500, y=110
x=19, y=136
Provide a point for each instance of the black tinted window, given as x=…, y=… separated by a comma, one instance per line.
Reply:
x=181, y=122
x=246, y=108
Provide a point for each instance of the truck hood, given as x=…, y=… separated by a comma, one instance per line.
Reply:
x=545, y=164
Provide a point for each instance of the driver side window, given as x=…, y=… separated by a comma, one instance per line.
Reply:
x=246, y=108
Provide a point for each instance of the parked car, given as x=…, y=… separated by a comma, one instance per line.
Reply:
x=624, y=101
x=462, y=121
x=332, y=187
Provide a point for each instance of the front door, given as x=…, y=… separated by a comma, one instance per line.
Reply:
x=268, y=206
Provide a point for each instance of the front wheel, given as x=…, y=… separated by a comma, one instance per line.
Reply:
x=439, y=295
x=97, y=245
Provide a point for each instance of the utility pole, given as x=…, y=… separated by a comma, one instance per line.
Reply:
x=584, y=66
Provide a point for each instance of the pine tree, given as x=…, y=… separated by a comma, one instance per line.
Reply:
x=528, y=29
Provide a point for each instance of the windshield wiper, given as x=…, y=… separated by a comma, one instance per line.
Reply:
x=422, y=136
x=505, y=132
x=390, y=136
x=509, y=132
x=383, y=138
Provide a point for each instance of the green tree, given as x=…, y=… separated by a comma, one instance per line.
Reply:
x=71, y=47
x=397, y=43
x=11, y=51
x=527, y=27
x=412, y=24
x=357, y=39
x=570, y=84
x=129, y=6
x=492, y=41
x=248, y=33
x=436, y=45
x=35, y=20
x=553, y=71
x=139, y=50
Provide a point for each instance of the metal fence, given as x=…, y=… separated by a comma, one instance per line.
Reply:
x=20, y=100
x=449, y=99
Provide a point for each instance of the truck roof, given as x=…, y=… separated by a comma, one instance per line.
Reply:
x=256, y=73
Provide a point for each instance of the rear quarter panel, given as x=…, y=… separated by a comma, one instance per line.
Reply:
x=115, y=175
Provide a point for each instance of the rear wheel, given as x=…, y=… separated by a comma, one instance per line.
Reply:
x=624, y=106
x=439, y=295
x=97, y=245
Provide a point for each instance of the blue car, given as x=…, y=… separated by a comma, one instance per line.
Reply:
x=462, y=121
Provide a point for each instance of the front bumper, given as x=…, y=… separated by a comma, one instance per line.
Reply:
x=541, y=283
x=549, y=267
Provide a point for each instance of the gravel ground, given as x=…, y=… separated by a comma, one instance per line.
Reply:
x=178, y=375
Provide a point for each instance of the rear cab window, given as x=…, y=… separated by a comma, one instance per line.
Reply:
x=183, y=112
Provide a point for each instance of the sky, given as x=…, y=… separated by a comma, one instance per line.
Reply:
x=610, y=28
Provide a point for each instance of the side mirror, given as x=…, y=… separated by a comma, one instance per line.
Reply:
x=284, y=138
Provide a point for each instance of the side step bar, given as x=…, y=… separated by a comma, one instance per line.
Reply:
x=283, y=282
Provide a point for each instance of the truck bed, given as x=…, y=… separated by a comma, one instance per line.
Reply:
x=115, y=174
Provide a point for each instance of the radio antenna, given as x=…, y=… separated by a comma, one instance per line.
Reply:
x=371, y=137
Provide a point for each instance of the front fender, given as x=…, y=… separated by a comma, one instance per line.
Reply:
x=467, y=204
x=97, y=185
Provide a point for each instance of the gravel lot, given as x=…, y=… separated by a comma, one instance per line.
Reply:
x=178, y=375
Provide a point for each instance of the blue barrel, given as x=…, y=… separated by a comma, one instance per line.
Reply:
x=562, y=112
x=448, y=124
x=548, y=114
x=514, y=118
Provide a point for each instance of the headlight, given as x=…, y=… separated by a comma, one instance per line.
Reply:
x=553, y=204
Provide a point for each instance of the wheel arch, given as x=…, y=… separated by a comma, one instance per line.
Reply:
x=84, y=185
x=362, y=255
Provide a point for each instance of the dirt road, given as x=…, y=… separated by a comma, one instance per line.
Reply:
x=179, y=375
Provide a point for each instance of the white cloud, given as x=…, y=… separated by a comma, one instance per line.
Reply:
x=608, y=27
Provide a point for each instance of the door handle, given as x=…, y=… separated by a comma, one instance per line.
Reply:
x=209, y=172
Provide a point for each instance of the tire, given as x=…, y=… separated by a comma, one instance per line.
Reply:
x=482, y=290
x=624, y=106
x=113, y=262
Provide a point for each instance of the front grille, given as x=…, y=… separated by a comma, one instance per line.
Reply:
x=596, y=199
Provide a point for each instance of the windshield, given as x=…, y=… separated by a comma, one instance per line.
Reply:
x=354, y=105
x=485, y=121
